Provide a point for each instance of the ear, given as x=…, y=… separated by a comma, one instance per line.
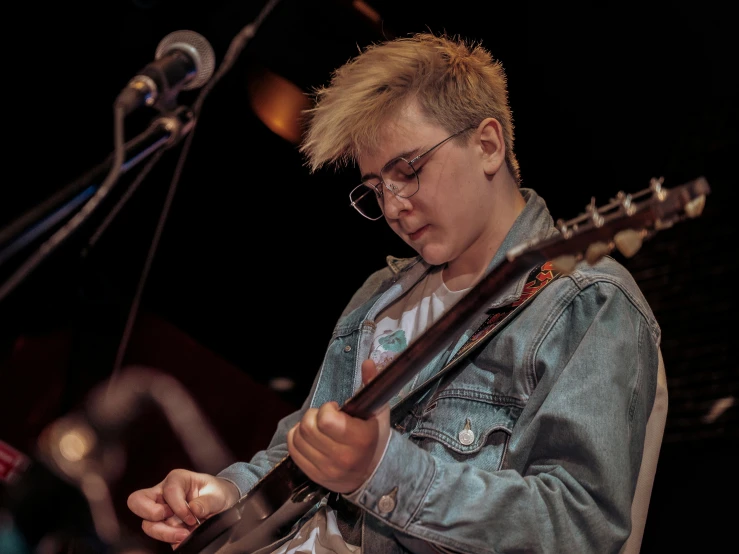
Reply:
x=492, y=144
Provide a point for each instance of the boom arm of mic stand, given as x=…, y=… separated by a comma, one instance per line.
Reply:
x=164, y=132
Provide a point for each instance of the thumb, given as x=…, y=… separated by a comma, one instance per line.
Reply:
x=217, y=495
x=203, y=506
x=369, y=371
x=206, y=505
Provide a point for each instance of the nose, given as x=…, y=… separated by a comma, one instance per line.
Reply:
x=392, y=205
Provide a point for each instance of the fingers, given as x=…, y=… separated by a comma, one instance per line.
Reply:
x=304, y=455
x=310, y=442
x=173, y=507
x=172, y=530
x=369, y=371
x=331, y=431
x=177, y=487
x=341, y=471
x=335, y=449
x=321, y=438
x=149, y=504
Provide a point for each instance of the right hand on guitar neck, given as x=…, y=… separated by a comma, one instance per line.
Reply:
x=171, y=509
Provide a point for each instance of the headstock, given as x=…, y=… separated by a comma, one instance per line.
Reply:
x=624, y=223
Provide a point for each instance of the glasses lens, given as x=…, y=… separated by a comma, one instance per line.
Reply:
x=401, y=178
x=364, y=199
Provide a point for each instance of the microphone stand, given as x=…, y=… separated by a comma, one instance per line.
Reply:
x=163, y=133
x=81, y=192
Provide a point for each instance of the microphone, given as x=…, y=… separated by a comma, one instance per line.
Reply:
x=184, y=60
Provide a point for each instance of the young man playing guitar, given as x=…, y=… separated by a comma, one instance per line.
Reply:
x=534, y=439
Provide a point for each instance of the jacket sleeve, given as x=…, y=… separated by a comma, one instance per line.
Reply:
x=570, y=466
x=246, y=474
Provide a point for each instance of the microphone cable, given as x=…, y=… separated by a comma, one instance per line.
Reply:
x=50, y=244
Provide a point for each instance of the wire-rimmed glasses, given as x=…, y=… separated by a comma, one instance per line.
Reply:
x=399, y=176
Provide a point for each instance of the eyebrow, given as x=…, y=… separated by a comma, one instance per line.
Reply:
x=408, y=155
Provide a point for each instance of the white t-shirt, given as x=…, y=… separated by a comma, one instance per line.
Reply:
x=397, y=326
x=410, y=316
x=319, y=535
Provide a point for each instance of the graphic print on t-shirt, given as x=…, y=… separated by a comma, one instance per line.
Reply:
x=389, y=345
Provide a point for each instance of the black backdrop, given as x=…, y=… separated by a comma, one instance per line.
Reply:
x=604, y=98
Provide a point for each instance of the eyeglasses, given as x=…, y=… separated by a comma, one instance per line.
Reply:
x=399, y=176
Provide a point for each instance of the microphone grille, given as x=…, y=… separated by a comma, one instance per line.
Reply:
x=197, y=47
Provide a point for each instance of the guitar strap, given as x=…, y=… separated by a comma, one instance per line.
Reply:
x=538, y=278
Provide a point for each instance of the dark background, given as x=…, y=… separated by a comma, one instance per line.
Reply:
x=604, y=99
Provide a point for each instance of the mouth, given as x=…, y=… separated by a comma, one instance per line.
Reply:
x=415, y=235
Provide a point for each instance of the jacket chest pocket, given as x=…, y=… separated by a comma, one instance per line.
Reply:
x=462, y=425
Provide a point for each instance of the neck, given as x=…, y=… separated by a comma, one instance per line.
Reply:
x=460, y=281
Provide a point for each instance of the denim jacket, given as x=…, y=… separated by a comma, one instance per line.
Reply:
x=553, y=407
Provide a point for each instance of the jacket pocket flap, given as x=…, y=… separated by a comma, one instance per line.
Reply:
x=463, y=420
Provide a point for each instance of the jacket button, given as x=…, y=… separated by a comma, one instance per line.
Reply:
x=386, y=504
x=466, y=436
x=347, y=348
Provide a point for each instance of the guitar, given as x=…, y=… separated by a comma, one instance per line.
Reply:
x=268, y=511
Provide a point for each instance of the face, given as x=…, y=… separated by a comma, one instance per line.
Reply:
x=450, y=219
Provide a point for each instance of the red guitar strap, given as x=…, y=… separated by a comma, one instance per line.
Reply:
x=539, y=277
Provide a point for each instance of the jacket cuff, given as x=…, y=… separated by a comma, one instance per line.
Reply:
x=353, y=496
x=399, y=483
x=239, y=475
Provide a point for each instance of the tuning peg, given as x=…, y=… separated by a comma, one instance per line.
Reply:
x=628, y=242
x=564, y=264
x=695, y=207
x=596, y=251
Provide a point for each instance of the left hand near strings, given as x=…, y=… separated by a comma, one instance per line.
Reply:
x=335, y=450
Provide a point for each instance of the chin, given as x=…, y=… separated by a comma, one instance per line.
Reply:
x=433, y=257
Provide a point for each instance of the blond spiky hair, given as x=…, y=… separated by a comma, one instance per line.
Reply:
x=457, y=84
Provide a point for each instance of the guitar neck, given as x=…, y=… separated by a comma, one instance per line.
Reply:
x=588, y=236
x=371, y=398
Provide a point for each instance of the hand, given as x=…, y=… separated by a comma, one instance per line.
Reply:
x=169, y=509
x=336, y=450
